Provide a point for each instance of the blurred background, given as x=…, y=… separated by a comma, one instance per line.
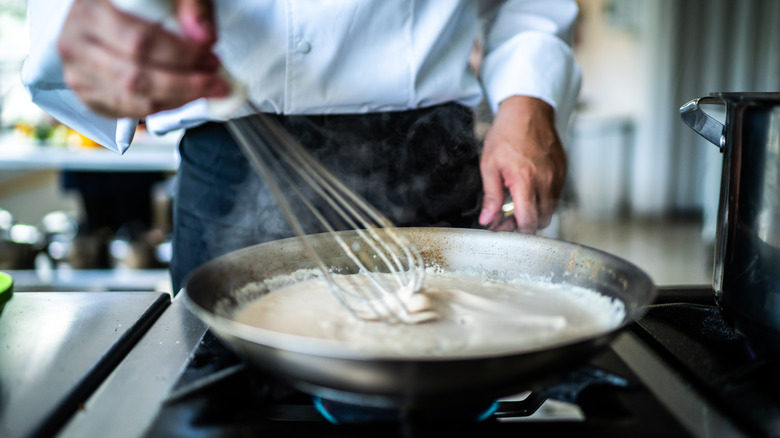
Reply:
x=641, y=185
x=646, y=186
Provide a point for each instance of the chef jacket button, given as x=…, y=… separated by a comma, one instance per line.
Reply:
x=304, y=47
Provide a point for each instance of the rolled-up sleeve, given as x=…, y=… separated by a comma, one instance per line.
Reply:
x=527, y=47
x=42, y=76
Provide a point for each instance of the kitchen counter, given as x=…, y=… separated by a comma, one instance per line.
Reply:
x=141, y=384
x=147, y=154
x=57, y=347
x=93, y=280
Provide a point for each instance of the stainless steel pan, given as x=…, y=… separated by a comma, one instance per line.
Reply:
x=324, y=369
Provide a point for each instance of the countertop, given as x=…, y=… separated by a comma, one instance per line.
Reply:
x=146, y=154
x=93, y=280
x=57, y=347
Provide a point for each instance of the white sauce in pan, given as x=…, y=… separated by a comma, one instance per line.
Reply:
x=476, y=317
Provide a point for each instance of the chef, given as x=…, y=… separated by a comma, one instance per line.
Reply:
x=381, y=91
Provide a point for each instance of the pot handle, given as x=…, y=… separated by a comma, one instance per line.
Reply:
x=704, y=125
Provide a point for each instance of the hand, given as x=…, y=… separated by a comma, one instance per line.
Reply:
x=122, y=66
x=522, y=153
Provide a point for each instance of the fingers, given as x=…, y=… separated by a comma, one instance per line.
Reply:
x=535, y=193
x=505, y=224
x=119, y=88
x=123, y=66
x=196, y=18
x=547, y=207
x=530, y=213
x=493, y=198
x=527, y=211
x=532, y=210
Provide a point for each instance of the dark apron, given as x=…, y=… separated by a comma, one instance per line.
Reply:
x=419, y=167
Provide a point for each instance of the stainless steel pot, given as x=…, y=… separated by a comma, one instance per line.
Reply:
x=325, y=369
x=747, y=259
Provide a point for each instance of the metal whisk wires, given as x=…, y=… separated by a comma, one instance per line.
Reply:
x=313, y=200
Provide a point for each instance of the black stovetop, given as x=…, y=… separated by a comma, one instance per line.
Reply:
x=739, y=377
x=219, y=396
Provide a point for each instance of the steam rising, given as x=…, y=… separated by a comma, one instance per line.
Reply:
x=419, y=168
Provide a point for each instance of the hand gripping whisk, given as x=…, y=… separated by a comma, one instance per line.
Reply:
x=380, y=253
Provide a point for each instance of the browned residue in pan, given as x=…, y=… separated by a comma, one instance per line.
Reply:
x=596, y=267
x=432, y=248
x=570, y=266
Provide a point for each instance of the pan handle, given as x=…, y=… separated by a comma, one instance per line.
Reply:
x=701, y=122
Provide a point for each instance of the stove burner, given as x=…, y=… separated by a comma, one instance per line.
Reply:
x=347, y=413
x=218, y=396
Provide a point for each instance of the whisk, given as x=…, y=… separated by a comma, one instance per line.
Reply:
x=324, y=202
x=379, y=252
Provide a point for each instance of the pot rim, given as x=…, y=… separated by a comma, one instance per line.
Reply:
x=749, y=96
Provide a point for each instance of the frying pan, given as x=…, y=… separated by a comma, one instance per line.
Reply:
x=333, y=371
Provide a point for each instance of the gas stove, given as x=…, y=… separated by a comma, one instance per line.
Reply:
x=679, y=371
x=218, y=396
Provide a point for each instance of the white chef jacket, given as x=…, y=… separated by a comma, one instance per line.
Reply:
x=346, y=56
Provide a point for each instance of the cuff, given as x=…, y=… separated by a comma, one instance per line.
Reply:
x=533, y=64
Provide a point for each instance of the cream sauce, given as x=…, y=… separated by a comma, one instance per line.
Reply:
x=476, y=316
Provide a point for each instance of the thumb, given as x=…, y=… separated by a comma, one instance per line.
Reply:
x=196, y=18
